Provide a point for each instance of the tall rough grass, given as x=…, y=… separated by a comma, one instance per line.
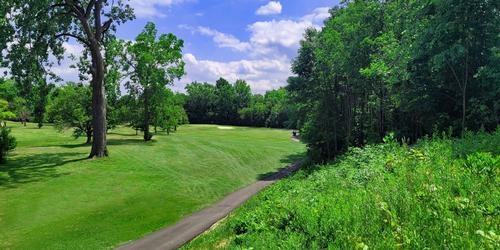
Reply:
x=439, y=193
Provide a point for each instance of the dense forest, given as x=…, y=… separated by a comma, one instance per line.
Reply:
x=408, y=67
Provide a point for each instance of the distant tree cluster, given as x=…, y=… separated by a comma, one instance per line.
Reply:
x=409, y=67
x=234, y=104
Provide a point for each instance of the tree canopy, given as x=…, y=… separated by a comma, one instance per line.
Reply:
x=153, y=62
x=410, y=67
x=38, y=29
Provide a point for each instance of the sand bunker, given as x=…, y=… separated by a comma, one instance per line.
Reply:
x=225, y=127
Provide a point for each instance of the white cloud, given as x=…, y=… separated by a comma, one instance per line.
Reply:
x=318, y=15
x=286, y=33
x=224, y=40
x=64, y=70
x=73, y=48
x=272, y=8
x=261, y=75
x=151, y=8
x=269, y=48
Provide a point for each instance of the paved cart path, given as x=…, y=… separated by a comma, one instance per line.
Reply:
x=175, y=236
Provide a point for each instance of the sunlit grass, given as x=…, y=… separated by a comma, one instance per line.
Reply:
x=52, y=197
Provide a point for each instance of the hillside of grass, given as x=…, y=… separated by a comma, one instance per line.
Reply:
x=53, y=197
x=438, y=194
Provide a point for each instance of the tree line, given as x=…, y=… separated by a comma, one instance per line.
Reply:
x=408, y=67
x=234, y=104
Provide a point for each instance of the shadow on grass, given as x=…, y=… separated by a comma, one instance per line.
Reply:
x=124, y=134
x=112, y=142
x=289, y=159
x=33, y=168
x=138, y=141
x=285, y=171
x=73, y=145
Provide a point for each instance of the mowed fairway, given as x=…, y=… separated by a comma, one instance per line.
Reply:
x=52, y=197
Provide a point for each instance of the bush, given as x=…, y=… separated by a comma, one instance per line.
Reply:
x=7, y=143
x=436, y=194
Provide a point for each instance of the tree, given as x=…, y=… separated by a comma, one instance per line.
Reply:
x=277, y=112
x=169, y=111
x=225, y=108
x=412, y=67
x=200, y=102
x=113, y=53
x=40, y=101
x=243, y=94
x=452, y=49
x=8, y=90
x=7, y=142
x=256, y=113
x=129, y=111
x=22, y=110
x=153, y=63
x=71, y=108
x=41, y=27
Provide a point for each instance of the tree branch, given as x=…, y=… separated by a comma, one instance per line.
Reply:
x=76, y=8
x=79, y=38
x=106, y=26
x=88, y=10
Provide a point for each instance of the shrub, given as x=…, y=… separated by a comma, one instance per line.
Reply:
x=7, y=142
x=439, y=193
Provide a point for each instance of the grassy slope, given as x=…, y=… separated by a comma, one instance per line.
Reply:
x=51, y=197
x=438, y=194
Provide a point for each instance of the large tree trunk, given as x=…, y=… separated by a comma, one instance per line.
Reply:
x=99, y=125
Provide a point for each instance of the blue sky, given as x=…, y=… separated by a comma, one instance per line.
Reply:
x=254, y=40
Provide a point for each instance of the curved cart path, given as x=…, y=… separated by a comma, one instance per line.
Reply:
x=175, y=236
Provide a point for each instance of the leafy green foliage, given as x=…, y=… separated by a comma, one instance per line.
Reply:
x=7, y=141
x=169, y=111
x=37, y=30
x=70, y=107
x=411, y=67
x=234, y=104
x=153, y=63
x=437, y=193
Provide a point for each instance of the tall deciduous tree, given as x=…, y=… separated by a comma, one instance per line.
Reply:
x=153, y=62
x=38, y=28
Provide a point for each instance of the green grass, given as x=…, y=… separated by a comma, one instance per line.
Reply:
x=52, y=197
x=439, y=194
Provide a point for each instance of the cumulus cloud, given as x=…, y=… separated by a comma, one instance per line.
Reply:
x=151, y=8
x=223, y=40
x=286, y=33
x=64, y=70
x=272, y=8
x=261, y=75
x=318, y=15
x=270, y=47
